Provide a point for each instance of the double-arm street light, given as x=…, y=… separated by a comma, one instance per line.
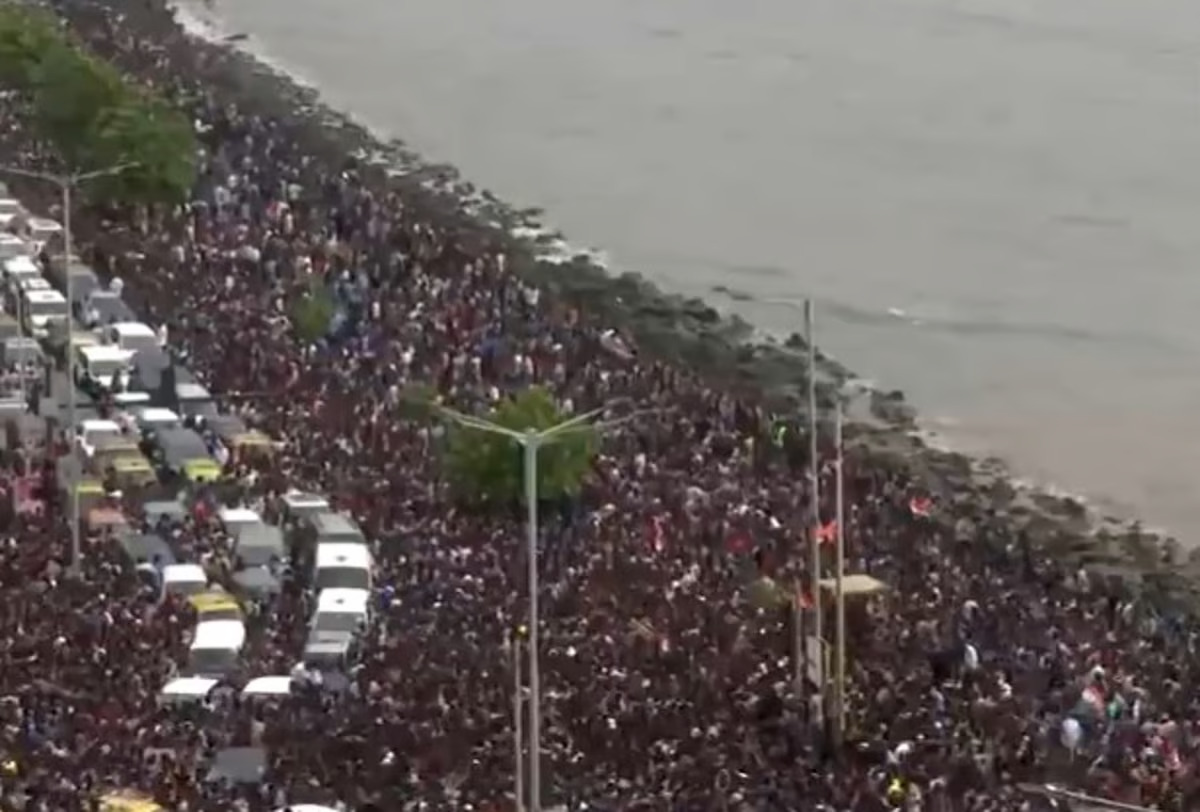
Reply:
x=66, y=183
x=533, y=440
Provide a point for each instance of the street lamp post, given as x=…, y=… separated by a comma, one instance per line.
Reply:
x=532, y=441
x=815, y=568
x=65, y=183
x=518, y=733
x=844, y=396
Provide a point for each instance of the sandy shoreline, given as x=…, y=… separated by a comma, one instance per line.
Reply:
x=968, y=491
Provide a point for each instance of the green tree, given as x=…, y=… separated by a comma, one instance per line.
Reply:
x=70, y=94
x=312, y=313
x=156, y=139
x=488, y=468
x=26, y=34
x=91, y=115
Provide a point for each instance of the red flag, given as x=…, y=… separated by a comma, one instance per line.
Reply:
x=827, y=533
x=921, y=506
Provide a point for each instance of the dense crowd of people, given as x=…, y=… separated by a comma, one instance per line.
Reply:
x=983, y=665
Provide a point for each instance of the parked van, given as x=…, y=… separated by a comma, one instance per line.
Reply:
x=13, y=246
x=184, y=579
x=215, y=647
x=19, y=268
x=132, y=335
x=235, y=518
x=336, y=528
x=341, y=613
x=100, y=366
x=39, y=307
x=346, y=566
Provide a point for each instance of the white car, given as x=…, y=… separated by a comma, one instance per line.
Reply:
x=13, y=246
x=150, y=418
x=94, y=432
x=132, y=335
x=102, y=363
x=19, y=268
x=41, y=305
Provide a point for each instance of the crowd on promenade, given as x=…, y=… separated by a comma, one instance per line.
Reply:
x=983, y=665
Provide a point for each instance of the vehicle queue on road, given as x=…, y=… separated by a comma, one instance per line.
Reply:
x=149, y=451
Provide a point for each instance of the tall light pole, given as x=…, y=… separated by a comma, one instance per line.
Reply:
x=513, y=642
x=839, y=692
x=65, y=183
x=532, y=441
x=814, y=463
x=843, y=396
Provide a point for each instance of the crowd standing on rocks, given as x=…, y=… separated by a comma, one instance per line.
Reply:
x=985, y=664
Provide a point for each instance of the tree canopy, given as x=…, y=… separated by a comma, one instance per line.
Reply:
x=488, y=468
x=92, y=116
x=311, y=313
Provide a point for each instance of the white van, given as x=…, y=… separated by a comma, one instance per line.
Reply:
x=345, y=566
x=156, y=418
x=215, y=647
x=94, y=432
x=19, y=268
x=41, y=230
x=301, y=504
x=102, y=363
x=273, y=686
x=186, y=690
x=132, y=335
x=39, y=307
x=341, y=611
x=184, y=579
x=234, y=519
x=13, y=246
